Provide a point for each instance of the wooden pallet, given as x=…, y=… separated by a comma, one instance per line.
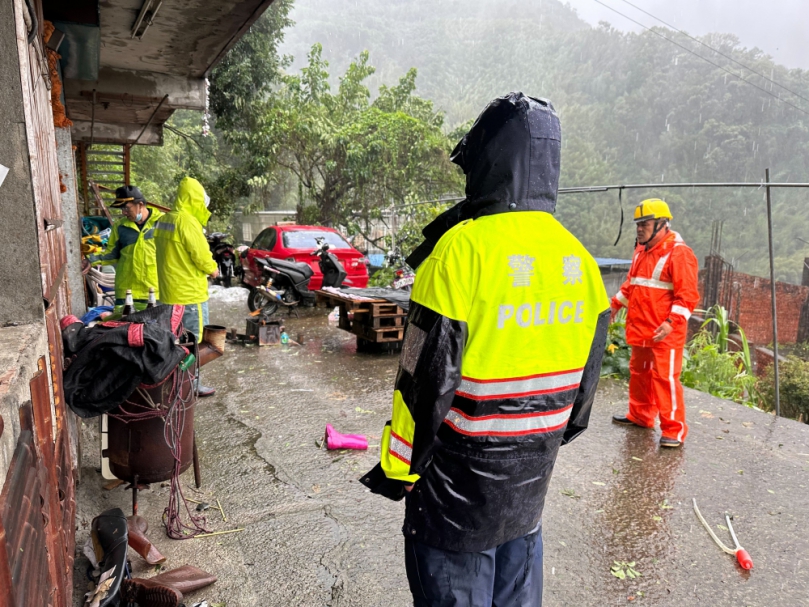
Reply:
x=378, y=335
x=375, y=321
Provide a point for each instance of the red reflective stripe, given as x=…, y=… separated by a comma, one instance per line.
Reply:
x=403, y=452
x=520, y=424
x=400, y=458
x=490, y=381
x=531, y=385
x=400, y=439
x=516, y=394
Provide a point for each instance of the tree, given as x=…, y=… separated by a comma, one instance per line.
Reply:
x=246, y=74
x=352, y=157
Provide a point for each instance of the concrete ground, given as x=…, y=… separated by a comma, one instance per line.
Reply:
x=313, y=535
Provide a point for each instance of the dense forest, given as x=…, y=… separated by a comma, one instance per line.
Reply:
x=635, y=108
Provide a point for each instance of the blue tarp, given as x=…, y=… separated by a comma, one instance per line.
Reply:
x=611, y=261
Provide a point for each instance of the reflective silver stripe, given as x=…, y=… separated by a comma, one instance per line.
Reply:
x=661, y=263
x=400, y=448
x=481, y=389
x=621, y=297
x=165, y=225
x=509, y=424
x=682, y=311
x=651, y=282
x=673, y=387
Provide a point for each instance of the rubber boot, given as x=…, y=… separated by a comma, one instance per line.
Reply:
x=166, y=589
x=335, y=440
x=138, y=541
x=185, y=579
x=148, y=593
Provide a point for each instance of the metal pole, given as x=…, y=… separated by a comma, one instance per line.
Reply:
x=774, y=307
x=148, y=122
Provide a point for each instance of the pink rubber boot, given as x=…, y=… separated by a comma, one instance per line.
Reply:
x=335, y=440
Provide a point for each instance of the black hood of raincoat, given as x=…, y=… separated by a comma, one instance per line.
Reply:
x=511, y=157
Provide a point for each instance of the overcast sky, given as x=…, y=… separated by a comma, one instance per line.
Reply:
x=779, y=27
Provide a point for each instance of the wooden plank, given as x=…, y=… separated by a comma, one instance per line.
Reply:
x=378, y=335
x=385, y=308
x=388, y=320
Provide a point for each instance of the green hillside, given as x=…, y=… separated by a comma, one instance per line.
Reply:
x=634, y=108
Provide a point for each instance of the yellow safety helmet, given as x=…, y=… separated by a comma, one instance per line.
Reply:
x=652, y=208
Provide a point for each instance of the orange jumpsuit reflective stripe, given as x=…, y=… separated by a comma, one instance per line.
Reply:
x=662, y=284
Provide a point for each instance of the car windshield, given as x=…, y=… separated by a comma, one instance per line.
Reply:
x=306, y=239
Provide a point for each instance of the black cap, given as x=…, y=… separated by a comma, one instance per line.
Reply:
x=127, y=193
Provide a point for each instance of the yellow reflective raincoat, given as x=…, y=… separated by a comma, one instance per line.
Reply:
x=183, y=256
x=501, y=357
x=131, y=249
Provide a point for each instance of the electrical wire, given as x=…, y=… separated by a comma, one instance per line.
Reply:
x=688, y=50
x=717, y=51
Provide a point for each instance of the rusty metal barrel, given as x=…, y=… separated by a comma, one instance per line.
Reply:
x=139, y=447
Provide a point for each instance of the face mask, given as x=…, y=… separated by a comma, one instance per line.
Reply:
x=207, y=200
x=139, y=218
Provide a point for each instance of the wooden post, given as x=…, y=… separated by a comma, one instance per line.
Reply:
x=127, y=149
x=83, y=165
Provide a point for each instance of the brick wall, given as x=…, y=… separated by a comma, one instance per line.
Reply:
x=751, y=307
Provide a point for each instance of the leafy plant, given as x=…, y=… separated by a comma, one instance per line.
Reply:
x=718, y=361
x=724, y=374
x=794, y=388
x=617, y=353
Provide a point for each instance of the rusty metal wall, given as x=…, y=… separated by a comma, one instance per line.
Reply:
x=37, y=505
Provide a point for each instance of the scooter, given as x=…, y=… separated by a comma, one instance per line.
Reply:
x=225, y=257
x=286, y=283
x=403, y=275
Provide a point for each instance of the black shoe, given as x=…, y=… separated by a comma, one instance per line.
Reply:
x=624, y=421
x=204, y=391
x=670, y=442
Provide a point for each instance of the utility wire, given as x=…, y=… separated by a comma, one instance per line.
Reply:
x=688, y=50
x=708, y=46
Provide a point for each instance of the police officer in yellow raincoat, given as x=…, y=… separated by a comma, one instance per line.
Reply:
x=131, y=247
x=184, y=258
x=499, y=367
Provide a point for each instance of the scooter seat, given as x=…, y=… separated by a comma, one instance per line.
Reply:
x=283, y=265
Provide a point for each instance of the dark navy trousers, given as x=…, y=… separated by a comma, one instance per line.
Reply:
x=509, y=575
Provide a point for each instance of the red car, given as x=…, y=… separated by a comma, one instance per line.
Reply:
x=296, y=243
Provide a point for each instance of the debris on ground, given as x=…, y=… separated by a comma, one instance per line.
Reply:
x=336, y=440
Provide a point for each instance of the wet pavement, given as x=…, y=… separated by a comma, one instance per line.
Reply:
x=313, y=536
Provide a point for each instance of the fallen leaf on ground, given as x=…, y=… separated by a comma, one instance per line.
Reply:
x=657, y=518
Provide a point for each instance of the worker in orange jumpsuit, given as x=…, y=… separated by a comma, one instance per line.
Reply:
x=660, y=293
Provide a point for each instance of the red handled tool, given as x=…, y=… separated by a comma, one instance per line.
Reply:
x=742, y=556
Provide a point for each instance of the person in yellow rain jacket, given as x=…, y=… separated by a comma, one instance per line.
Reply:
x=131, y=247
x=184, y=258
x=500, y=362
